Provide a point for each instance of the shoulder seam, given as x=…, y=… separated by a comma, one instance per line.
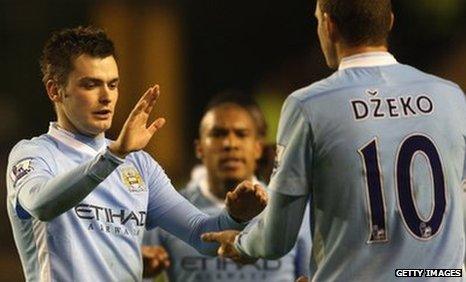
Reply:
x=43, y=144
x=302, y=110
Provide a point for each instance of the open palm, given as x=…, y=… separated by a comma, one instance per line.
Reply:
x=135, y=134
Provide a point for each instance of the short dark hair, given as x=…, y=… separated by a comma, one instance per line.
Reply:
x=66, y=45
x=360, y=22
x=243, y=101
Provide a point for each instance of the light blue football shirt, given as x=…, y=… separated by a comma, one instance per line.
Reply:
x=99, y=238
x=187, y=265
x=380, y=149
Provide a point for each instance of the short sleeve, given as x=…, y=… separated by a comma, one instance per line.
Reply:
x=294, y=151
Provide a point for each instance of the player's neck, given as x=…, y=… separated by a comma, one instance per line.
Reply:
x=64, y=123
x=345, y=51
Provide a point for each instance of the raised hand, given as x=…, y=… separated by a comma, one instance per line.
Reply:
x=227, y=249
x=135, y=133
x=246, y=201
x=155, y=260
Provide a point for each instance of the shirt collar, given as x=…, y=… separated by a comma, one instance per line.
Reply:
x=369, y=59
x=85, y=144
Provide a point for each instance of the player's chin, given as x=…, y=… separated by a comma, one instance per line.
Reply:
x=98, y=127
x=236, y=177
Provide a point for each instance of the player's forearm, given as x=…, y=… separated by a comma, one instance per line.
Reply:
x=188, y=223
x=223, y=221
x=265, y=238
x=46, y=198
x=202, y=225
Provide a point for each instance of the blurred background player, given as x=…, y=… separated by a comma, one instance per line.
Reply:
x=378, y=146
x=231, y=136
x=78, y=202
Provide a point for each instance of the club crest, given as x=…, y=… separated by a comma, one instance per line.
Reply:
x=132, y=179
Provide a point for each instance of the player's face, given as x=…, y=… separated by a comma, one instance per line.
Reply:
x=87, y=102
x=229, y=146
x=328, y=47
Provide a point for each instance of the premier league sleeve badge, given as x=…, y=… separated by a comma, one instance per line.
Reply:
x=20, y=170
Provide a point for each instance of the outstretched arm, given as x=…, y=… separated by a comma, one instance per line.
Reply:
x=263, y=239
x=45, y=196
x=170, y=211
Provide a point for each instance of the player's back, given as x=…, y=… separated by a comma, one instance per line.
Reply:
x=388, y=147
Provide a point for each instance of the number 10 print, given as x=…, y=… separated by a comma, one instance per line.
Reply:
x=422, y=229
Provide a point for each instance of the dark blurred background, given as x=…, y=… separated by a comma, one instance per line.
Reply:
x=195, y=49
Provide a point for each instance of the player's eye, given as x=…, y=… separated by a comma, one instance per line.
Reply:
x=242, y=133
x=113, y=85
x=218, y=133
x=89, y=85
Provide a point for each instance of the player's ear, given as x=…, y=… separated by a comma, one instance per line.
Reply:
x=198, y=149
x=331, y=27
x=53, y=90
x=392, y=20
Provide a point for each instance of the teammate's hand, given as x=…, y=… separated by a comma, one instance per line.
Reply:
x=135, y=133
x=246, y=201
x=155, y=260
x=227, y=248
x=302, y=279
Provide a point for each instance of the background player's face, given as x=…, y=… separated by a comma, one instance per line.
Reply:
x=326, y=44
x=229, y=145
x=86, y=104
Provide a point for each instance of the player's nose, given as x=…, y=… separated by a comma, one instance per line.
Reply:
x=231, y=141
x=105, y=95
